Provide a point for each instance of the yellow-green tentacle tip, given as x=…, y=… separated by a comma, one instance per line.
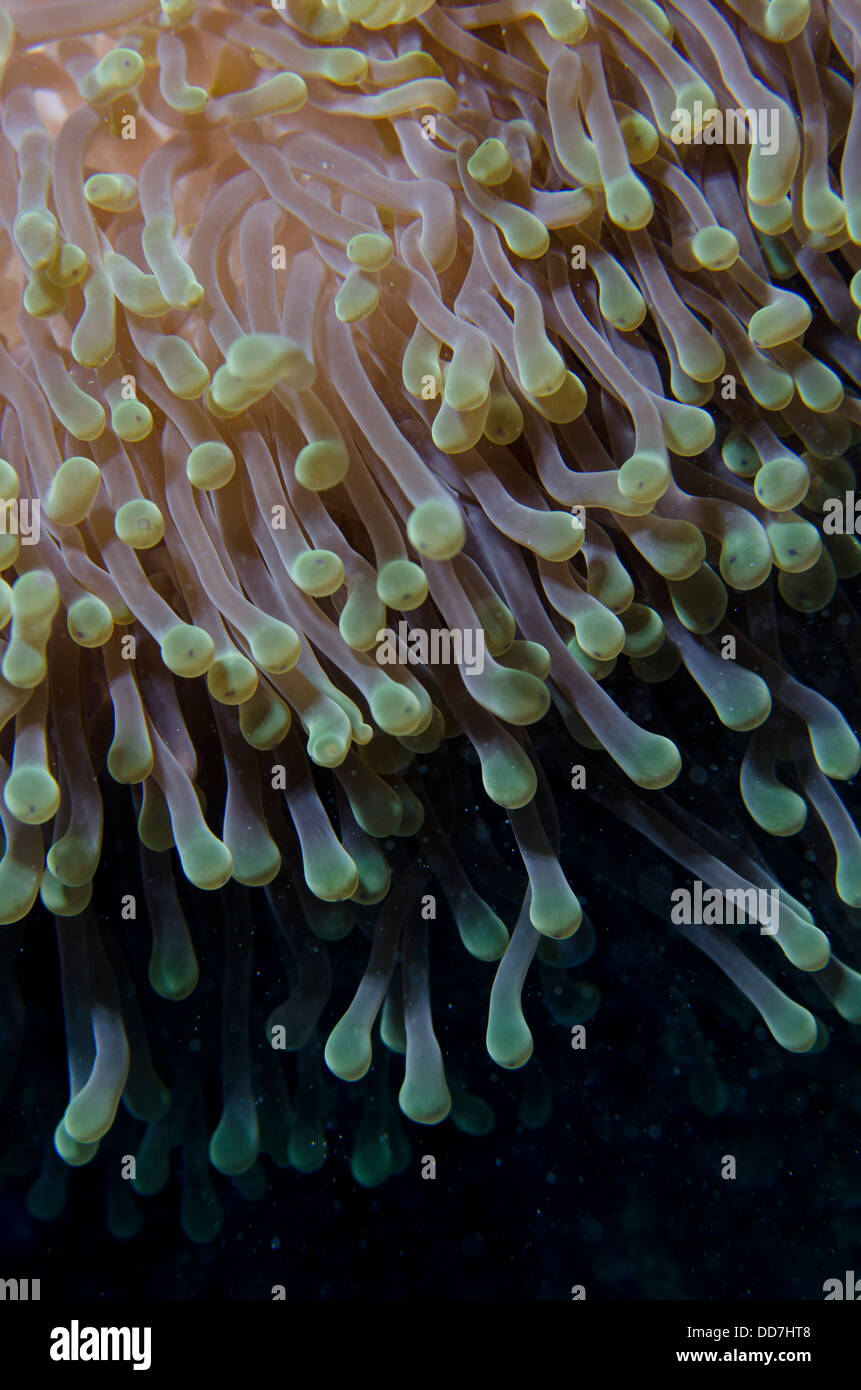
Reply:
x=480, y=930
x=619, y=300
x=90, y=621
x=35, y=598
x=139, y=524
x=36, y=234
x=279, y=95
x=210, y=465
x=528, y=656
x=540, y=367
x=598, y=670
x=259, y=360
x=700, y=601
x=795, y=544
x=644, y=631
x=688, y=430
x=330, y=873
x=70, y=1151
x=318, y=573
x=232, y=679
x=513, y=696
x=563, y=21
x=845, y=555
x=177, y=12
x=358, y=295
x=394, y=708
x=348, y=1049
x=116, y=73
x=740, y=698
x=131, y=421
x=490, y=164
x=600, y=634
x=402, y=585
x=61, y=899
x=235, y=1144
x=788, y=317
x=745, y=558
x=629, y=202
x=174, y=971
x=845, y=991
x=362, y=617
x=509, y=777
x=19, y=886
x=275, y=646
x=321, y=464
x=329, y=738
x=24, y=664
x=182, y=370
x=555, y=910
x=264, y=720
x=811, y=590
x=7, y=38
x=130, y=758
x=739, y=455
x=154, y=826
x=32, y=795
x=848, y=877
x=10, y=483
x=715, y=247
x=509, y=1041
x=525, y=234
x=436, y=528
x=644, y=477
x=424, y=1096
x=112, y=192
x=206, y=860
x=803, y=944
x=371, y=1159
x=375, y=876
x=785, y=19
x=793, y=1027
x=640, y=136
x=782, y=484
x=42, y=298
x=187, y=651
x=820, y=389
x=370, y=250
x=69, y=267
x=73, y=491
x=77, y=412
x=835, y=747
x=552, y=536
x=504, y=421
x=650, y=760
x=775, y=808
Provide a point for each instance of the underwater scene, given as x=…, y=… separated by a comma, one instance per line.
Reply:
x=429, y=655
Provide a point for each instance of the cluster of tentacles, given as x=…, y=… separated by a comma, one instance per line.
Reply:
x=320, y=318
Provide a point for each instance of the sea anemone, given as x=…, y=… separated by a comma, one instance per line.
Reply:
x=333, y=325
